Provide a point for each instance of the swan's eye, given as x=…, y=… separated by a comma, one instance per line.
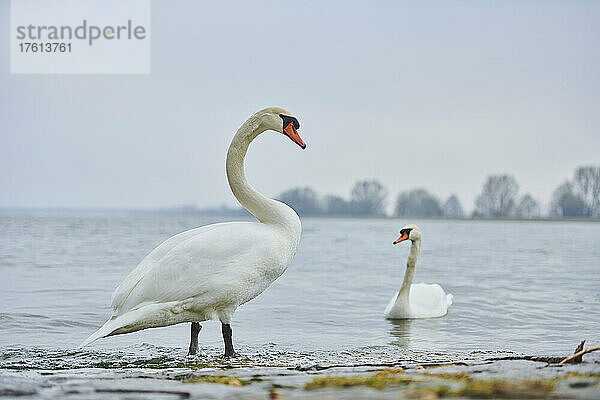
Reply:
x=287, y=119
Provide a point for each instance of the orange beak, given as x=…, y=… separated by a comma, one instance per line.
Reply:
x=292, y=133
x=401, y=238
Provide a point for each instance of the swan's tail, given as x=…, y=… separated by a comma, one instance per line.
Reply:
x=449, y=298
x=109, y=327
x=149, y=316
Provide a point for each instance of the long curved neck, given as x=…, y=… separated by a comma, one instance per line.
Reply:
x=264, y=209
x=409, y=274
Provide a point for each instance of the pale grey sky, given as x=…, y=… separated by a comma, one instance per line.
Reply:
x=416, y=94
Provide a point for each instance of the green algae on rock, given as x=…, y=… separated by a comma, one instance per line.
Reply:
x=440, y=385
x=379, y=380
x=224, y=380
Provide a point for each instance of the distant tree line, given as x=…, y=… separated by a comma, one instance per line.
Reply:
x=578, y=197
x=499, y=198
x=367, y=197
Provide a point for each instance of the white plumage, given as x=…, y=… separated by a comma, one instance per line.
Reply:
x=425, y=301
x=419, y=300
x=207, y=272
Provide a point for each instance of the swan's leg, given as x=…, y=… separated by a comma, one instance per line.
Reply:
x=226, y=330
x=196, y=327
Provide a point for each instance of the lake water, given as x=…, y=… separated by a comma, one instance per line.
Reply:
x=519, y=287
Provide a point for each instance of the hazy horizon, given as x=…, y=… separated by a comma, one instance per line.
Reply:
x=416, y=95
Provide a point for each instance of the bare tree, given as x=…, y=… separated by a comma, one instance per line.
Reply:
x=304, y=200
x=368, y=198
x=527, y=207
x=453, y=208
x=336, y=205
x=586, y=183
x=565, y=203
x=419, y=203
x=497, y=198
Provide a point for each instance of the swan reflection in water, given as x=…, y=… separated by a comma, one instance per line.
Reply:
x=417, y=333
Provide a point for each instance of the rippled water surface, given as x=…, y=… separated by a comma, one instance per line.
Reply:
x=522, y=287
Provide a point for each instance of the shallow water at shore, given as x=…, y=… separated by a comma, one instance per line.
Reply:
x=519, y=288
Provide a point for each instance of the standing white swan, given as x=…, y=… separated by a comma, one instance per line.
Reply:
x=418, y=300
x=208, y=272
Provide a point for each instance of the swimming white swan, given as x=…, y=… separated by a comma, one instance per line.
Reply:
x=207, y=272
x=418, y=300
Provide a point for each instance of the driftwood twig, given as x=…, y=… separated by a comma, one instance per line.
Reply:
x=579, y=359
x=579, y=354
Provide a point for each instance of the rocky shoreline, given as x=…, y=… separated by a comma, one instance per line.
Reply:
x=502, y=377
